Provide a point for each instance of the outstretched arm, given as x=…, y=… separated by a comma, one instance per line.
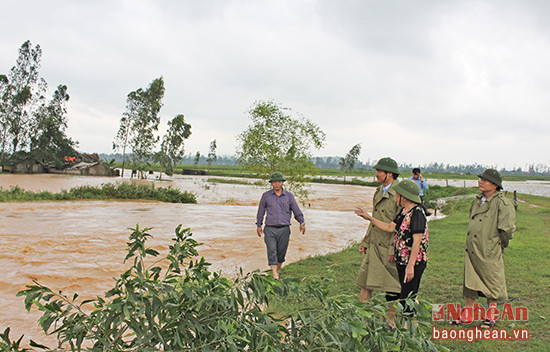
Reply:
x=384, y=226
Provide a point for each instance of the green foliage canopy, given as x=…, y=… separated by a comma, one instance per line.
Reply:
x=31, y=125
x=276, y=141
x=49, y=141
x=172, y=146
x=212, y=153
x=139, y=123
x=347, y=163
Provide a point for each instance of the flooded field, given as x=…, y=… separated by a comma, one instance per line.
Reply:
x=79, y=246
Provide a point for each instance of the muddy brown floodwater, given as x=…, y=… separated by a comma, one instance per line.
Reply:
x=79, y=246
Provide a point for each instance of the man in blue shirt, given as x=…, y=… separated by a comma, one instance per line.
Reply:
x=422, y=184
x=420, y=181
x=277, y=204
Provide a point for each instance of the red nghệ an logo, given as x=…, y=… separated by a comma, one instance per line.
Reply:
x=466, y=315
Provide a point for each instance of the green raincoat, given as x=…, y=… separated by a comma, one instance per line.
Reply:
x=491, y=227
x=377, y=273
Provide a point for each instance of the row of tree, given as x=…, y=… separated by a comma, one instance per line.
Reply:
x=137, y=135
x=275, y=141
x=31, y=125
x=138, y=127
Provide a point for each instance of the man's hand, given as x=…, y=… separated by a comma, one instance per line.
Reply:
x=362, y=213
x=303, y=229
x=362, y=249
x=259, y=231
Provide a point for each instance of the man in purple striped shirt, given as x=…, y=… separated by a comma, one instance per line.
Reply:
x=277, y=204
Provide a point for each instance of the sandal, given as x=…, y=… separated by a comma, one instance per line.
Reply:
x=459, y=322
x=487, y=324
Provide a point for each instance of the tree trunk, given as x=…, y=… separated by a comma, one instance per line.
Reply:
x=123, y=161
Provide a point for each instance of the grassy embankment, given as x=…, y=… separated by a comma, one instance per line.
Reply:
x=106, y=191
x=526, y=262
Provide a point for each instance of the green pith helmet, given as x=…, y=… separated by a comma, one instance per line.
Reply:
x=492, y=175
x=387, y=164
x=277, y=176
x=409, y=190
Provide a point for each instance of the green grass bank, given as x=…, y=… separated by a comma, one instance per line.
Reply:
x=526, y=263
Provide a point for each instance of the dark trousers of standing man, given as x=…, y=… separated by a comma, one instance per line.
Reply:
x=276, y=239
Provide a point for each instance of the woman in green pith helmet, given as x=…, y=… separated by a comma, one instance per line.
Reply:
x=410, y=229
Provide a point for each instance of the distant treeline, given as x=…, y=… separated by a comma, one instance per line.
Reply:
x=332, y=162
x=187, y=159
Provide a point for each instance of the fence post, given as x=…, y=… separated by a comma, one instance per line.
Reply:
x=515, y=200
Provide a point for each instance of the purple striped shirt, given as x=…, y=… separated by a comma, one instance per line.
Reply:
x=278, y=209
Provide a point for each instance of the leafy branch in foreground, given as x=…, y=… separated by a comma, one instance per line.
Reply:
x=185, y=307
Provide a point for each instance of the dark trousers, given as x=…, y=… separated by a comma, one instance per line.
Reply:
x=411, y=287
x=276, y=240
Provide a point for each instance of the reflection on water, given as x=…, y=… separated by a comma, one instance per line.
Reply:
x=79, y=246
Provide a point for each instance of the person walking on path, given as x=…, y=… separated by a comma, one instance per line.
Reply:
x=277, y=205
x=410, y=228
x=492, y=225
x=378, y=271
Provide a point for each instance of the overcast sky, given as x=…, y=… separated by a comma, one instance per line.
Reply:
x=457, y=82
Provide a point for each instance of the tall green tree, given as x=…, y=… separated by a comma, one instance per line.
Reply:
x=212, y=153
x=22, y=92
x=139, y=123
x=146, y=124
x=124, y=133
x=197, y=158
x=277, y=141
x=49, y=141
x=347, y=163
x=172, y=146
x=4, y=125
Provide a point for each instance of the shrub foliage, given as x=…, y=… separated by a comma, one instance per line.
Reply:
x=105, y=191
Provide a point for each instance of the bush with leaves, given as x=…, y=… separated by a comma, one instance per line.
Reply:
x=121, y=190
x=185, y=307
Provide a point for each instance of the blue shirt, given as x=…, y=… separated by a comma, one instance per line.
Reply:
x=278, y=209
x=385, y=188
x=421, y=184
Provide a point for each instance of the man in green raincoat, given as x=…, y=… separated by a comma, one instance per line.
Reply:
x=492, y=224
x=378, y=271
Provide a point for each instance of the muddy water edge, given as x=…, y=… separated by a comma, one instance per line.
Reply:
x=79, y=246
